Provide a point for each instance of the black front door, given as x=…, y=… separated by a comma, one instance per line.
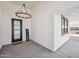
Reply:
x=16, y=30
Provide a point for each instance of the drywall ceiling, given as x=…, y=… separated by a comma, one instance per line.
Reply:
x=29, y=4
x=72, y=11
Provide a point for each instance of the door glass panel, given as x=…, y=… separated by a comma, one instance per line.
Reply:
x=17, y=27
x=16, y=36
x=16, y=30
x=17, y=23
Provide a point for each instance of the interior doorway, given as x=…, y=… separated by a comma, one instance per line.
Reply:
x=74, y=28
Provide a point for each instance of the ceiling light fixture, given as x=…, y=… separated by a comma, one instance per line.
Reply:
x=23, y=12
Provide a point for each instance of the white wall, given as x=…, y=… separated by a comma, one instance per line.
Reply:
x=58, y=39
x=46, y=29
x=8, y=12
x=0, y=26
x=41, y=25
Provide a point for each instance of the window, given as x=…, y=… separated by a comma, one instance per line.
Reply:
x=64, y=25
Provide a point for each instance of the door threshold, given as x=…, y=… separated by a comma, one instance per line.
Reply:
x=18, y=42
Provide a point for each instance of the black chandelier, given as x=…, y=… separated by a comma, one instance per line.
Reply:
x=23, y=12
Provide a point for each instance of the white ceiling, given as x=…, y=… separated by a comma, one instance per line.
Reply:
x=72, y=12
x=29, y=4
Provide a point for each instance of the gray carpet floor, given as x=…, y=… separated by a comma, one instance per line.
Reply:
x=33, y=50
